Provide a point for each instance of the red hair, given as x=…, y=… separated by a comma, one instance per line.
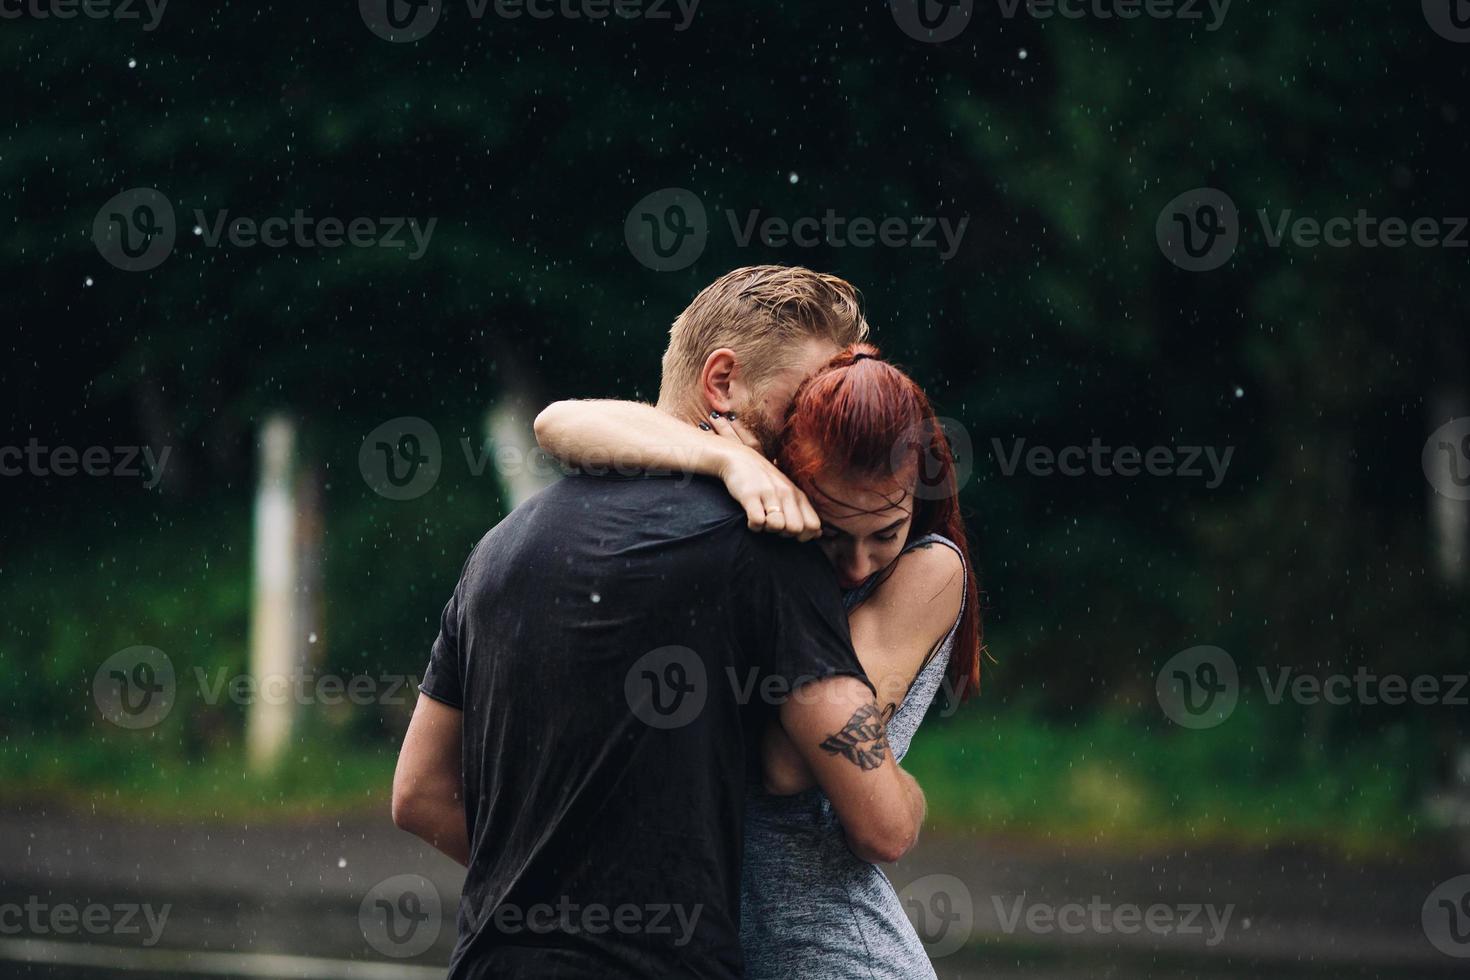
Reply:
x=862, y=416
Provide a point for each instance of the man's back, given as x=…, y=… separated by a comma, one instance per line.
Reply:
x=600, y=643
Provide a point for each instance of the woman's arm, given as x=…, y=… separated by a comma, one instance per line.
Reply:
x=892, y=633
x=629, y=436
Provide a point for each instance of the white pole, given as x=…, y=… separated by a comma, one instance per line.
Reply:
x=272, y=640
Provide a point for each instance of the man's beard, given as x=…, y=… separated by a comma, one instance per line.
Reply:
x=768, y=433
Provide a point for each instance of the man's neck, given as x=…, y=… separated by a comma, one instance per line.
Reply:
x=689, y=413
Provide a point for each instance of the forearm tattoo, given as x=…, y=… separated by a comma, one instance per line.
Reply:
x=863, y=741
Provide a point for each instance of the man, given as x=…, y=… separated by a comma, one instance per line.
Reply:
x=602, y=673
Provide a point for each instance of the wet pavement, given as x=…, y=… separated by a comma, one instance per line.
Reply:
x=97, y=897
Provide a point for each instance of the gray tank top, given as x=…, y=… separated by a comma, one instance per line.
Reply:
x=809, y=907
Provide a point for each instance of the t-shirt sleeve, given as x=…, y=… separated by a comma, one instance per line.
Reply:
x=805, y=636
x=442, y=680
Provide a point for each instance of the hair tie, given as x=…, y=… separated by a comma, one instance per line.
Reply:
x=860, y=356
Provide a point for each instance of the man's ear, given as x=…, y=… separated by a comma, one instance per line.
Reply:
x=721, y=385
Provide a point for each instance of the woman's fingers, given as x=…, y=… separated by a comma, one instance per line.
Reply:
x=723, y=426
x=811, y=521
x=776, y=518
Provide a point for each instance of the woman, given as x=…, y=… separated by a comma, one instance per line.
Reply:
x=859, y=436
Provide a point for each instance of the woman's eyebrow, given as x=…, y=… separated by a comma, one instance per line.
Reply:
x=894, y=525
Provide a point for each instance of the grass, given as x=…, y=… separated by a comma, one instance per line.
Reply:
x=1108, y=779
x=1102, y=780
x=146, y=777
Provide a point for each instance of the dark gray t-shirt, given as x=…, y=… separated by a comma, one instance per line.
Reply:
x=610, y=642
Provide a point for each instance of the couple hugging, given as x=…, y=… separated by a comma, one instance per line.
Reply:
x=623, y=809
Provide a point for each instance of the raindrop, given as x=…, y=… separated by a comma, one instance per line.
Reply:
x=87, y=281
x=793, y=176
x=132, y=62
x=1023, y=54
x=596, y=597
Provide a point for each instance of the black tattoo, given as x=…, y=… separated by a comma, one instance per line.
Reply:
x=863, y=741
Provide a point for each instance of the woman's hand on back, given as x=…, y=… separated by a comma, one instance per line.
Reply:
x=771, y=501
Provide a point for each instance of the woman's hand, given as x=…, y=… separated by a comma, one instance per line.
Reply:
x=771, y=501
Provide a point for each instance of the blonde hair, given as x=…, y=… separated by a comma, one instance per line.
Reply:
x=760, y=312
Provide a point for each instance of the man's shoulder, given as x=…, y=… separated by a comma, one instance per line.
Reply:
x=675, y=506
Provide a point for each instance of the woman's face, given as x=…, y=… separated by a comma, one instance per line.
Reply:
x=865, y=522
